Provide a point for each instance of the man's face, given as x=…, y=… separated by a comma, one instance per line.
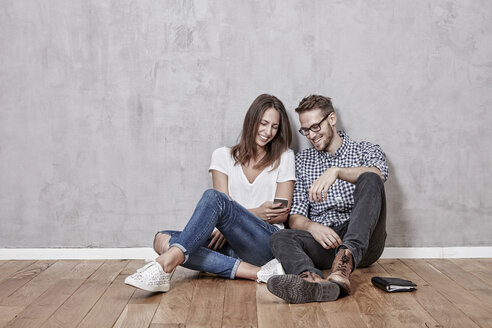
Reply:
x=321, y=139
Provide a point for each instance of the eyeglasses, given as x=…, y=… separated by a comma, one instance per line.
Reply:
x=315, y=127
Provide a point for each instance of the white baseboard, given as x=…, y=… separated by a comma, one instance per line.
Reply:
x=148, y=253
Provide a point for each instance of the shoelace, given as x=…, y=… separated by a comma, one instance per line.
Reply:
x=343, y=265
x=307, y=274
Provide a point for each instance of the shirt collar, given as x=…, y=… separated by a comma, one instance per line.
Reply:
x=341, y=150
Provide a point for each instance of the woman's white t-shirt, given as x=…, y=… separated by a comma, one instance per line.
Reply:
x=252, y=195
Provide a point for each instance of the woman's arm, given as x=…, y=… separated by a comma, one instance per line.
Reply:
x=274, y=213
x=284, y=190
x=220, y=182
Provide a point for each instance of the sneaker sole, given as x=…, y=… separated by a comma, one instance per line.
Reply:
x=293, y=289
x=149, y=288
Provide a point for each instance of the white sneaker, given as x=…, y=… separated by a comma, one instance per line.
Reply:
x=151, y=278
x=270, y=269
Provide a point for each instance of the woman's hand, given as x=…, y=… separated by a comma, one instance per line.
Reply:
x=269, y=211
x=218, y=240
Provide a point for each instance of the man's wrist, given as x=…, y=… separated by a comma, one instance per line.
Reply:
x=309, y=225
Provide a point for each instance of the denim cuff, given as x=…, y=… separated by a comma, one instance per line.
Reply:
x=183, y=250
x=234, y=269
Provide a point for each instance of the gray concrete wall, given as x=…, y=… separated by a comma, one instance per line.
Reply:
x=109, y=110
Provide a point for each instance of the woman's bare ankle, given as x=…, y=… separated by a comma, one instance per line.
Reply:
x=161, y=242
x=171, y=259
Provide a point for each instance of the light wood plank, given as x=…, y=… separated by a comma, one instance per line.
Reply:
x=465, y=279
x=109, y=307
x=136, y=315
x=480, y=268
x=45, y=305
x=8, y=313
x=344, y=312
x=466, y=302
x=240, y=304
x=272, y=311
x=207, y=311
x=26, y=294
x=460, y=276
x=308, y=315
x=11, y=267
x=109, y=271
x=83, y=269
x=71, y=313
x=395, y=309
x=88, y=293
x=141, y=308
x=20, y=278
x=439, y=307
x=175, y=305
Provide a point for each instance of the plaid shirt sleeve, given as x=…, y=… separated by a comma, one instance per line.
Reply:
x=300, y=200
x=373, y=155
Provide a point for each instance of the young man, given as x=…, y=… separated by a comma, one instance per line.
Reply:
x=338, y=215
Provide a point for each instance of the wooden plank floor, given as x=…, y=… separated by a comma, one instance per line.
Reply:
x=451, y=293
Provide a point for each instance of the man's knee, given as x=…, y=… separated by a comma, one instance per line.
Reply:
x=370, y=181
x=280, y=238
x=370, y=177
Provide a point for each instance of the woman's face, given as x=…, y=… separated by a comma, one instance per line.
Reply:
x=268, y=127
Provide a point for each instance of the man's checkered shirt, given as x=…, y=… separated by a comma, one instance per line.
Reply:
x=310, y=164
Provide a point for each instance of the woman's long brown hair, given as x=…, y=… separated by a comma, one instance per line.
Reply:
x=245, y=150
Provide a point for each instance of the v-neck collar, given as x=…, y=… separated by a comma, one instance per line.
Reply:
x=246, y=178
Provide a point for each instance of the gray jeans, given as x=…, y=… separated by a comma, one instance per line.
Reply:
x=364, y=234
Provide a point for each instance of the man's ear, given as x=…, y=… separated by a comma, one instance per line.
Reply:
x=332, y=119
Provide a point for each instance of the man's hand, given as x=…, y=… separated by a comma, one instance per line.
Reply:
x=218, y=240
x=319, y=190
x=326, y=236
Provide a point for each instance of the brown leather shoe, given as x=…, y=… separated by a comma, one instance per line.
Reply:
x=307, y=287
x=341, y=269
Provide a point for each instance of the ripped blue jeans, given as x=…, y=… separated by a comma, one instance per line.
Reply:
x=247, y=236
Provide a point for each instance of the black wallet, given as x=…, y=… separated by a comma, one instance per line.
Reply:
x=393, y=284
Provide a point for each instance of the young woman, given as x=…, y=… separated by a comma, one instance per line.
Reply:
x=240, y=208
